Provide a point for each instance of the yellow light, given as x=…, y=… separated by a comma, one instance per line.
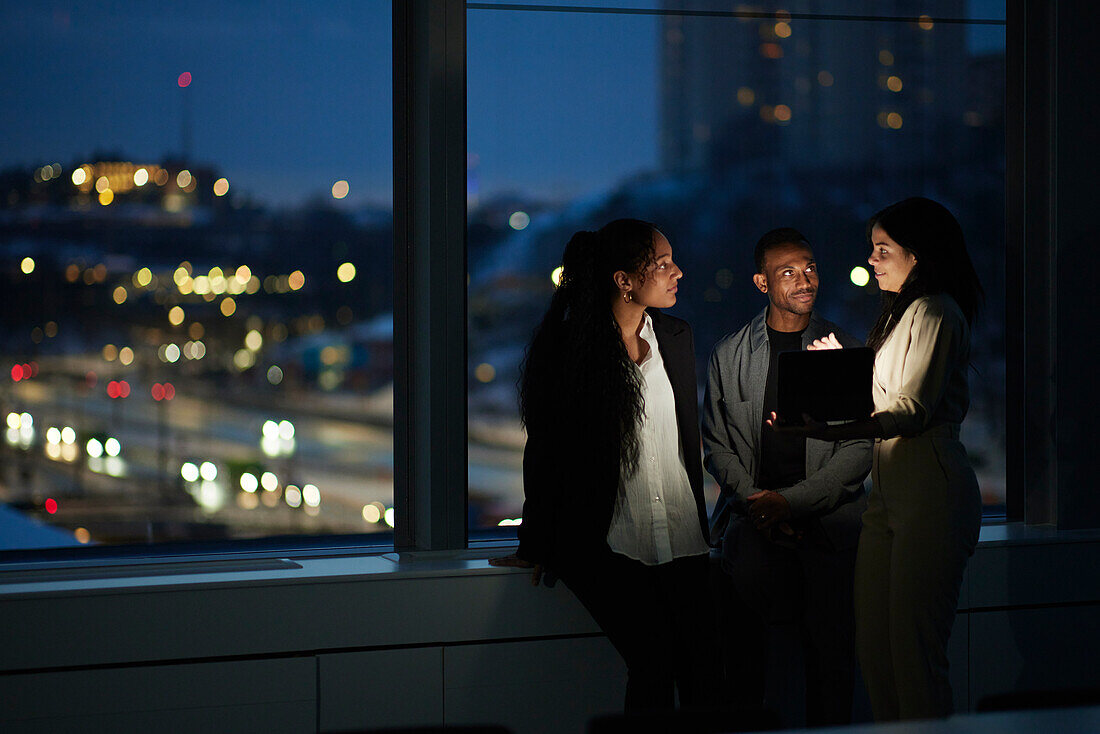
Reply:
x=106, y=197
x=296, y=280
x=782, y=113
x=340, y=189
x=119, y=295
x=243, y=359
x=253, y=340
x=371, y=514
x=82, y=535
x=243, y=275
x=228, y=306
x=183, y=179
x=893, y=83
x=893, y=120
x=485, y=372
x=767, y=113
x=783, y=29
x=160, y=177
x=102, y=184
x=885, y=58
x=293, y=496
x=27, y=266
x=745, y=96
x=110, y=352
x=143, y=277
x=79, y=177
x=175, y=316
x=141, y=177
x=311, y=495
x=824, y=78
x=221, y=187
x=126, y=355
x=555, y=275
x=345, y=273
x=860, y=276
x=925, y=22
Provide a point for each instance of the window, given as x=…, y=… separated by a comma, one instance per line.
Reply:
x=718, y=125
x=196, y=247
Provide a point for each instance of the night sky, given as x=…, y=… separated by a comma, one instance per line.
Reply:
x=288, y=97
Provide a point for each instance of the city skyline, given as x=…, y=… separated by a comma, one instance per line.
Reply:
x=105, y=79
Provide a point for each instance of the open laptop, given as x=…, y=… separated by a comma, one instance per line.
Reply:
x=826, y=384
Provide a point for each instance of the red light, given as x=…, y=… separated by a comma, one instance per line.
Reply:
x=158, y=391
x=17, y=372
x=169, y=391
x=51, y=505
x=185, y=79
x=34, y=369
x=123, y=389
x=112, y=389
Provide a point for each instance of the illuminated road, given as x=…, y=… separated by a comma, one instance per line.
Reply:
x=344, y=446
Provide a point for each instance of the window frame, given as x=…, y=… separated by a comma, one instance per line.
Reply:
x=430, y=302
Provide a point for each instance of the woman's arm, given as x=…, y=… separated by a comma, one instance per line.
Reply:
x=866, y=428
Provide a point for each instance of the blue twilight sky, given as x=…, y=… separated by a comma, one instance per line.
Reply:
x=287, y=97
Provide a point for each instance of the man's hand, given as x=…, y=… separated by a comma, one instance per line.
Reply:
x=808, y=429
x=517, y=562
x=768, y=509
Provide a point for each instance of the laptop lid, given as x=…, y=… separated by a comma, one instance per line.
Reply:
x=826, y=384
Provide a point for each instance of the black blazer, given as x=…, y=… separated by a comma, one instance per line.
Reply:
x=569, y=490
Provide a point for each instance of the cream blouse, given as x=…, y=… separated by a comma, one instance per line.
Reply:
x=920, y=371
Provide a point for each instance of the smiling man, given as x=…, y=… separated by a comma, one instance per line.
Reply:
x=788, y=518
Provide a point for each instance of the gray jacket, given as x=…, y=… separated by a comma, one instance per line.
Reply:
x=832, y=491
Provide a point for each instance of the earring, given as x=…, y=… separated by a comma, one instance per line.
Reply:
x=627, y=298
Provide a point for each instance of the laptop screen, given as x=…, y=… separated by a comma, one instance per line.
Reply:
x=826, y=384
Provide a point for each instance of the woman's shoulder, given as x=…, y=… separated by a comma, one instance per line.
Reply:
x=667, y=323
x=935, y=307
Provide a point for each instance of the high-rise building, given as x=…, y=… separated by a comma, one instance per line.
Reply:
x=801, y=82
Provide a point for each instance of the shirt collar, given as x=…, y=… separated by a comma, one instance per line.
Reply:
x=649, y=335
x=759, y=329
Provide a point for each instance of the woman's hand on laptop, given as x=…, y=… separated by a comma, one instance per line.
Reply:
x=826, y=342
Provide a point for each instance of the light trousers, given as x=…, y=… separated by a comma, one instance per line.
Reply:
x=919, y=530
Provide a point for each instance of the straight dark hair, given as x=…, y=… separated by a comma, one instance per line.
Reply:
x=929, y=231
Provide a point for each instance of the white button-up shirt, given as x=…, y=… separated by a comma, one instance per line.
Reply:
x=655, y=517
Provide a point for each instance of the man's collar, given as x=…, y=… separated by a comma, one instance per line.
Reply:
x=759, y=330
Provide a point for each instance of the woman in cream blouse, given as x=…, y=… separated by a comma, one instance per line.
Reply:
x=924, y=512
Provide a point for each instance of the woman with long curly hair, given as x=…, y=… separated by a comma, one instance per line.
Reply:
x=924, y=512
x=612, y=471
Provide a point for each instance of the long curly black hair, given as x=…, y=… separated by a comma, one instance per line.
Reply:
x=928, y=230
x=576, y=371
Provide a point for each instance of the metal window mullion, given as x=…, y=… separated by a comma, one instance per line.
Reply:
x=429, y=271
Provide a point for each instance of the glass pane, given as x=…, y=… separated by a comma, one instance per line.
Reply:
x=945, y=9
x=718, y=130
x=196, y=238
